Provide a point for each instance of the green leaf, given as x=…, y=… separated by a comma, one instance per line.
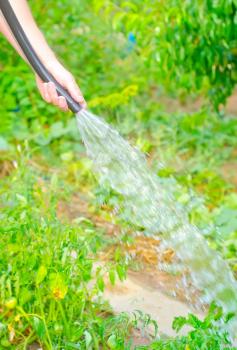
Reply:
x=88, y=339
x=41, y=274
x=3, y=329
x=112, y=343
x=178, y=323
x=39, y=327
x=4, y=146
x=121, y=271
x=57, y=130
x=100, y=283
x=112, y=276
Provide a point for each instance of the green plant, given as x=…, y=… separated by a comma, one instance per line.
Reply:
x=187, y=45
x=46, y=267
x=50, y=293
x=204, y=335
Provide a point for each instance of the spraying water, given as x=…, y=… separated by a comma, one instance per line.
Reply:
x=152, y=206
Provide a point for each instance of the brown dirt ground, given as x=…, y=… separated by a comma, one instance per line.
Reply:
x=35, y=346
x=143, y=249
x=148, y=289
x=229, y=172
x=174, y=105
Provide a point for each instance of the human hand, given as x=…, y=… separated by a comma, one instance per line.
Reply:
x=64, y=78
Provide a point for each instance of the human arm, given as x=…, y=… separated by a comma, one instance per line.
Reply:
x=45, y=54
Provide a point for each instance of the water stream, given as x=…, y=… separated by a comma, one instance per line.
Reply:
x=151, y=204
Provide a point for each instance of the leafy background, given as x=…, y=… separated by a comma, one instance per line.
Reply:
x=160, y=75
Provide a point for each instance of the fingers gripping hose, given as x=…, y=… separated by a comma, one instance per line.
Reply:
x=31, y=55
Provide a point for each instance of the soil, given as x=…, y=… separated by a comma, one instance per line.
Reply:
x=149, y=290
x=146, y=295
x=5, y=168
x=231, y=107
x=190, y=106
x=229, y=172
x=35, y=346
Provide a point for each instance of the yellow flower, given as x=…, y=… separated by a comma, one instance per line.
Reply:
x=17, y=318
x=59, y=294
x=58, y=286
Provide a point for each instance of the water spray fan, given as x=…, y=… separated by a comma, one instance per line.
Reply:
x=31, y=55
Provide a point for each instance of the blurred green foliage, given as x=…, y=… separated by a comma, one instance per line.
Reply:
x=46, y=267
x=125, y=55
x=188, y=45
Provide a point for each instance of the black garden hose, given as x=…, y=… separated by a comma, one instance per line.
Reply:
x=31, y=55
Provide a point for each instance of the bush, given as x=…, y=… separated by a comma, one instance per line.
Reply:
x=187, y=45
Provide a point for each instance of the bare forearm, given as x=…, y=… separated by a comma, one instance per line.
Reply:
x=33, y=33
x=45, y=54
